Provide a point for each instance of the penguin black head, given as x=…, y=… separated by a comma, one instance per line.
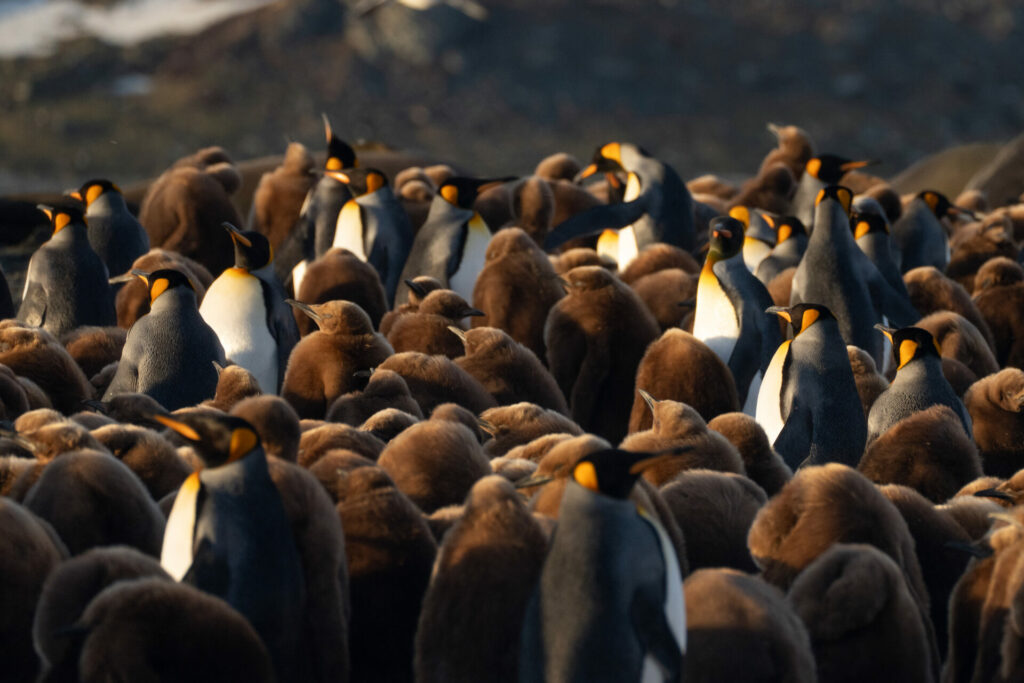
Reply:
x=63, y=216
x=217, y=439
x=607, y=159
x=360, y=180
x=910, y=343
x=252, y=250
x=941, y=206
x=801, y=316
x=92, y=190
x=613, y=472
x=829, y=168
x=788, y=227
x=866, y=223
x=339, y=154
x=462, y=192
x=159, y=281
x=725, y=237
x=841, y=194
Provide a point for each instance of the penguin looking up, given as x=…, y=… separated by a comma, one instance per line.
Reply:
x=628, y=618
x=66, y=284
x=228, y=533
x=791, y=243
x=819, y=172
x=452, y=244
x=373, y=225
x=114, y=233
x=919, y=237
x=245, y=306
x=656, y=207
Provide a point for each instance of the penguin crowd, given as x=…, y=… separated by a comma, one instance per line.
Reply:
x=593, y=423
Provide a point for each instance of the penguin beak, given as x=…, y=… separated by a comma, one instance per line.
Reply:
x=887, y=331
x=305, y=308
x=367, y=373
x=339, y=176
x=175, y=425
x=994, y=493
x=961, y=211
x=585, y=173
x=123, y=277
x=236, y=234
x=327, y=126
x=473, y=313
x=18, y=439
x=218, y=367
x=969, y=548
x=486, y=426
x=780, y=311
x=458, y=332
x=415, y=288
x=48, y=210
x=533, y=480
x=775, y=129
x=648, y=399
x=76, y=195
x=141, y=274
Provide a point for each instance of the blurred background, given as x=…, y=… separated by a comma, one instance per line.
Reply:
x=121, y=88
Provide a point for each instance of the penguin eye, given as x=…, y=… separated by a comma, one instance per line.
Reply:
x=585, y=475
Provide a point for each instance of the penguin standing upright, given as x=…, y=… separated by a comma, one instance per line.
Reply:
x=730, y=312
x=656, y=207
x=790, y=245
x=808, y=404
x=66, y=282
x=114, y=233
x=919, y=235
x=245, y=306
x=871, y=233
x=373, y=225
x=609, y=604
x=228, y=533
x=452, y=244
x=819, y=172
x=759, y=236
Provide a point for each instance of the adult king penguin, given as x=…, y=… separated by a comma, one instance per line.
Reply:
x=452, y=244
x=789, y=248
x=808, y=404
x=245, y=306
x=759, y=236
x=114, y=233
x=819, y=172
x=609, y=604
x=919, y=236
x=656, y=207
x=730, y=312
x=373, y=225
x=228, y=534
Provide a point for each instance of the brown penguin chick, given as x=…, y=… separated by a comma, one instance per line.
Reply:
x=1000, y=306
x=154, y=629
x=421, y=287
x=434, y=463
x=980, y=484
x=571, y=199
x=426, y=329
x=1007, y=493
x=151, y=457
x=656, y=257
x=959, y=376
x=595, y=338
x=668, y=295
x=770, y=190
x=712, y=185
x=279, y=196
x=714, y=511
x=485, y=572
x=533, y=207
x=132, y=299
x=513, y=469
x=92, y=499
x=678, y=425
x=535, y=450
x=853, y=600
x=413, y=184
x=581, y=256
x=494, y=205
x=33, y=353
x=971, y=513
x=1014, y=213
x=333, y=468
x=13, y=399
x=94, y=348
x=971, y=247
x=388, y=423
x=763, y=465
x=516, y=289
x=997, y=272
x=316, y=443
x=386, y=389
x=322, y=365
x=37, y=398
x=739, y=628
x=509, y=371
x=680, y=367
x=71, y=587
x=234, y=383
x=794, y=149
x=61, y=436
x=453, y=412
x=959, y=339
x=91, y=420
x=442, y=519
x=870, y=382
x=887, y=197
x=558, y=166
x=36, y=419
x=781, y=286
x=341, y=275
x=974, y=200
x=996, y=406
x=184, y=208
x=131, y=408
x=927, y=451
x=29, y=552
x=17, y=474
x=275, y=421
x=519, y=424
x=433, y=380
x=931, y=292
x=936, y=536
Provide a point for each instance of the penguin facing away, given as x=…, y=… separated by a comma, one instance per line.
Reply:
x=791, y=243
x=871, y=232
x=919, y=236
x=819, y=172
x=114, y=233
x=759, y=236
x=609, y=605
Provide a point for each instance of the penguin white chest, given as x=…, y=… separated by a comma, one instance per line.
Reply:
x=176, y=553
x=348, y=233
x=769, y=398
x=754, y=251
x=627, y=247
x=478, y=237
x=714, y=320
x=234, y=307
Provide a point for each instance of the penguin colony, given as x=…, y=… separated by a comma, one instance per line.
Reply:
x=591, y=424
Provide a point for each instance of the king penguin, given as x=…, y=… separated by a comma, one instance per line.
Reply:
x=759, y=237
x=790, y=245
x=609, y=604
x=819, y=172
x=246, y=307
x=228, y=534
x=808, y=404
x=452, y=244
x=374, y=226
x=656, y=207
x=730, y=312
x=66, y=284
x=114, y=233
x=871, y=232
x=919, y=236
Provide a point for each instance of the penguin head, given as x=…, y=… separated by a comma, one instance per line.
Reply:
x=801, y=316
x=217, y=439
x=587, y=279
x=339, y=154
x=606, y=159
x=160, y=281
x=941, y=206
x=92, y=190
x=462, y=192
x=788, y=227
x=360, y=180
x=867, y=223
x=420, y=286
x=725, y=238
x=448, y=304
x=613, y=472
x=843, y=195
x=910, y=343
x=63, y=216
x=252, y=249
x=829, y=168
x=338, y=316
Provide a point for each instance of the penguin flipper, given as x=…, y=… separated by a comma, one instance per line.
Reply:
x=894, y=306
x=794, y=441
x=651, y=626
x=594, y=220
x=281, y=324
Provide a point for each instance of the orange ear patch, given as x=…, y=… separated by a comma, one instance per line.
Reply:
x=60, y=221
x=585, y=475
x=242, y=441
x=157, y=288
x=450, y=193
x=92, y=194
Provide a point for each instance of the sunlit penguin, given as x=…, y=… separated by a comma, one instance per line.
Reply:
x=819, y=172
x=759, y=237
x=114, y=233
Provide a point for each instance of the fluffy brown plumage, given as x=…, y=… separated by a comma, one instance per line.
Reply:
x=93, y=348
x=151, y=457
x=433, y=380
x=533, y=207
x=763, y=465
x=34, y=353
x=794, y=149
x=870, y=382
x=385, y=389
x=515, y=425
x=668, y=294
x=388, y=423
x=340, y=274
x=974, y=244
x=771, y=189
x=424, y=284
x=1000, y=305
x=317, y=442
x=426, y=329
x=275, y=421
x=132, y=300
x=656, y=257
x=996, y=406
x=234, y=383
x=960, y=340
x=278, y=197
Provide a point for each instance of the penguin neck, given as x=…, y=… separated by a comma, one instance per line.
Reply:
x=251, y=466
x=178, y=299
x=919, y=369
x=71, y=234
x=831, y=228
x=579, y=505
x=107, y=204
